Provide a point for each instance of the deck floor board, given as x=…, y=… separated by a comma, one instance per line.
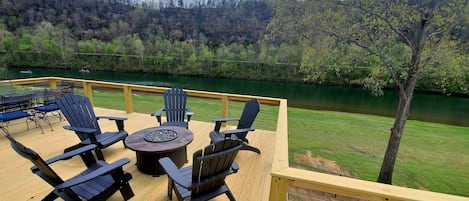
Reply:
x=252, y=182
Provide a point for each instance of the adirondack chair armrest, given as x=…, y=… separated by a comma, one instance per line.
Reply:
x=173, y=172
x=158, y=114
x=229, y=133
x=219, y=121
x=189, y=114
x=80, y=129
x=119, y=121
x=225, y=119
x=112, y=118
x=67, y=155
x=106, y=169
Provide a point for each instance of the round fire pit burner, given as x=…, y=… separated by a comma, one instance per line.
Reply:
x=160, y=135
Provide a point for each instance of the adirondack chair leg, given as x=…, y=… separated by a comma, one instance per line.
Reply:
x=124, y=187
x=170, y=188
x=230, y=196
x=51, y=196
x=99, y=154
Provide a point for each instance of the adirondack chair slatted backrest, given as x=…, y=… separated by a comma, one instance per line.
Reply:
x=250, y=111
x=175, y=104
x=43, y=170
x=213, y=164
x=79, y=113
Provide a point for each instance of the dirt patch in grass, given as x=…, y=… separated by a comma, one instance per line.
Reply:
x=317, y=163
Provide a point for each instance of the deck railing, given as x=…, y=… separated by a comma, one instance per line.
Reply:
x=283, y=176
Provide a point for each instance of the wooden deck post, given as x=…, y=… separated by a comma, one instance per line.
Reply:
x=87, y=91
x=278, y=189
x=52, y=84
x=128, y=99
x=224, y=108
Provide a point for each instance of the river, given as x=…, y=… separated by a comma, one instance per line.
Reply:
x=425, y=107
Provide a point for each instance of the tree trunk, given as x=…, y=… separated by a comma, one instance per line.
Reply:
x=405, y=98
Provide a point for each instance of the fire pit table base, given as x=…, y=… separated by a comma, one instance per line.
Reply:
x=148, y=162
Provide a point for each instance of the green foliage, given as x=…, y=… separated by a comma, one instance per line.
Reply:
x=25, y=42
x=292, y=48
x=371, y=34
x=449, y=70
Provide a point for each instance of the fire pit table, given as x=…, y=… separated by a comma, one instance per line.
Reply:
x=151, y=144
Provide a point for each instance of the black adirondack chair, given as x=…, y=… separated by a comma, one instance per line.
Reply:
x=175, y=109
x=79, y=113
x=205, y=179
x=98, y=181
x=250, y=111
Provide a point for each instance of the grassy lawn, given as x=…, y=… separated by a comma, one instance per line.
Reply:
x=432, y=156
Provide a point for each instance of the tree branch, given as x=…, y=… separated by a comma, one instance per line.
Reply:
x=444, y=34
x=386, y=20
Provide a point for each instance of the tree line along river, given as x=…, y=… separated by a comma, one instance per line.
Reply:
x=452, y=110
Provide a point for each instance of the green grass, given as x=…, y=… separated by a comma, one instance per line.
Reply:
x=432, y=156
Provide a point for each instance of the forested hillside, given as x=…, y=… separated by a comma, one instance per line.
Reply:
x=105, y=21
x=234, y=39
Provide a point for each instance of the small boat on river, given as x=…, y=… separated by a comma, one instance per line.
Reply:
x=84, y=70
x=26, y=71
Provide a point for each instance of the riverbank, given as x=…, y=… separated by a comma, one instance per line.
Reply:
x=425, y=107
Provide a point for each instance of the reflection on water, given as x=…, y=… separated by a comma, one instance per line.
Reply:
x=426, y=107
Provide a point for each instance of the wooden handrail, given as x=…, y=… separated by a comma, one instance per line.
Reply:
x=283, y=176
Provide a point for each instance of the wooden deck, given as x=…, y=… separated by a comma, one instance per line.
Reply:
x=17, y=182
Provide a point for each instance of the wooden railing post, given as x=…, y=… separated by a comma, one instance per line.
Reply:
x=52, y=84
x=278, y=189
x=279, y=185
x=87, y=91
x=224, y=108
x=128, y=99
